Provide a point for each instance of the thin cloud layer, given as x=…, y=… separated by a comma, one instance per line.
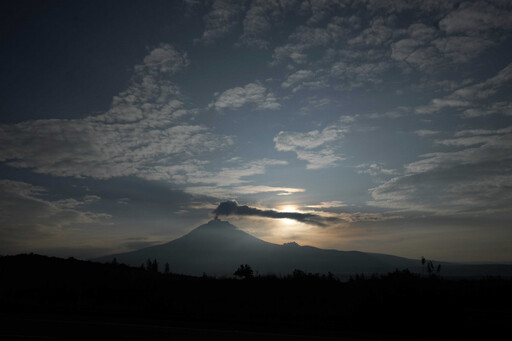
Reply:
x=27, y=217
x=471, y=180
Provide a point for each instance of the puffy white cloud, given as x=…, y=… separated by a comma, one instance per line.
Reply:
x=258, y=21
x=262, y=17
x=291, y=141
x=461, y=49
x=143, y=129
x=221, y=20
x=165, y=59
x=353, y=75
x=425, y=47
x=297, y=77
x=379, y=32
x=252, y=93
x=473, y=17
x=314, y=146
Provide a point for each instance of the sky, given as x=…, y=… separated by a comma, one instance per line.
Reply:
x=388, y=124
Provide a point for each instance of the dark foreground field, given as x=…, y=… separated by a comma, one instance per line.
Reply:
x=52, y=298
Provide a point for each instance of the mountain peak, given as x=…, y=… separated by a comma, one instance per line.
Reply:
x=291, y=244
x=218, y=224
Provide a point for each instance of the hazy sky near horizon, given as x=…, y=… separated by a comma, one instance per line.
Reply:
x=124, y=124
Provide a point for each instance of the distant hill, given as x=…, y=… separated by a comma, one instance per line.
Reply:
x=218, y=248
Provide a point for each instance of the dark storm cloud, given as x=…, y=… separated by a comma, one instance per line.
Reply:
x=228, y=208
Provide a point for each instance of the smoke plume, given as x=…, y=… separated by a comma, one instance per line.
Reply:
x=228, y=208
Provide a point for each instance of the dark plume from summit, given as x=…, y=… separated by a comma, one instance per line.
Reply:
x=228, y=208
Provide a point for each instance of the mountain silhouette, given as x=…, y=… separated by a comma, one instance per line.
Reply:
x=218, y=248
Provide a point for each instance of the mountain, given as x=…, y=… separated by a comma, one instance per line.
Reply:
x=218, y=248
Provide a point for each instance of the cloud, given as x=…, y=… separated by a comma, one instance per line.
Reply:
x=142, y=133
x=473, y=99
x=474, y=17
x=223, y=17
x=306, y=38
x=473, y=132
x=473, y=179
x=258, y=21
x=503, y=108
x=328, y=204
x=414, y=53
x=376, y=170
x=81, y=148
x=483, y=149
x=320, y=10
x=228, y=208
x=314, y=146
x=296, y=79
x=26, y=217
x=252, y=93
x=233, y=175
x=425, y=132
x=353, y=75
x=461, y=49
x=398, y=6
x=151, y=95
x=232, y=181
x=426, y=48
x=379, y=32
x=165, y=59
x=262, y=17
x=73, y=203
x=289, y=52
x=235, y=191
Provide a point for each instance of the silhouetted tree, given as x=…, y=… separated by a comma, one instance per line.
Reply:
x=167, y=270
x=244, y=271
x=298, y=274
x=154, y=266
x=114, y=261
x=423, y=260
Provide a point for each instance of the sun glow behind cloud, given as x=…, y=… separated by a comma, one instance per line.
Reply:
x=288, y=208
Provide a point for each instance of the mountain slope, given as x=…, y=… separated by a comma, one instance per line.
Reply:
x=218, y=247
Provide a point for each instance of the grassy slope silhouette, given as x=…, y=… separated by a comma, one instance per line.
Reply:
x=398, y=303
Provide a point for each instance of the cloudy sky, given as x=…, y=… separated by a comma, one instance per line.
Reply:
x=125, y=124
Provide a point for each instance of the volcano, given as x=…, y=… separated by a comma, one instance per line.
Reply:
x=218, y=248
